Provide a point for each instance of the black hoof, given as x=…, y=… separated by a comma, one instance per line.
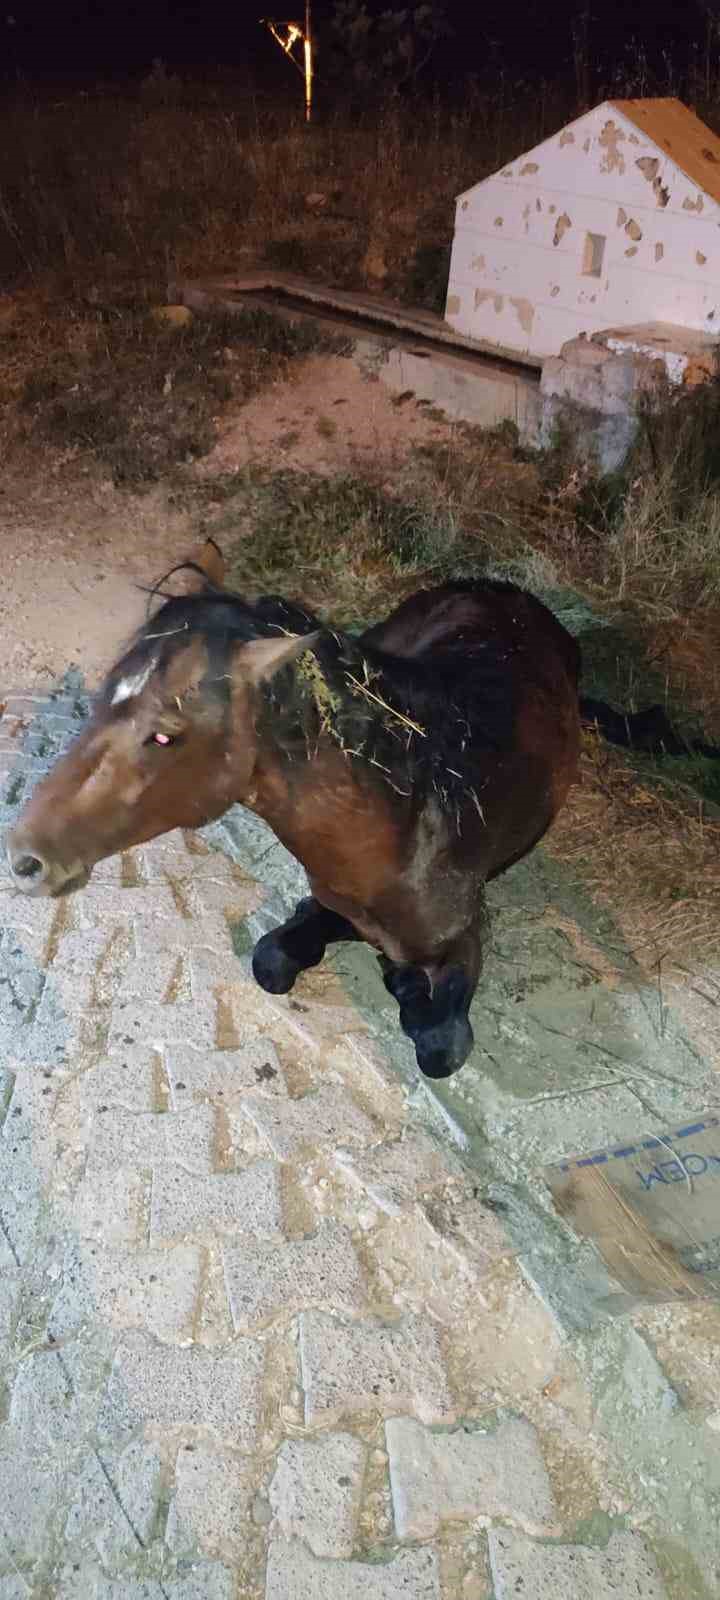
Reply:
x=442, y=1051
x=272, y=969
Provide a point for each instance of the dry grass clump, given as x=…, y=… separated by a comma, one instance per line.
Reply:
x=649, y=853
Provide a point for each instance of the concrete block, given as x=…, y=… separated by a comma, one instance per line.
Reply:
x=224, y=1203
x=444, y=1477
x=372, y=1366
x=322, y=1270
x=315, y=1492
x=482, y=395
x=625, y=1571
x=185, y=1388
x=294, y=1574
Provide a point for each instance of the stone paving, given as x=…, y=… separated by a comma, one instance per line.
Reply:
x=264, y=1335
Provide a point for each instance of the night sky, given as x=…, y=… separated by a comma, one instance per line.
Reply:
x=109, y=36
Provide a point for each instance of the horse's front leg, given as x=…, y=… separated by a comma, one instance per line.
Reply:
x=297, y=944
x=435, y=1014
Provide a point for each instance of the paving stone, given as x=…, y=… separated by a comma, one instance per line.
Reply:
x=320, y=1270
x=158, y=979
x=394, y=1175
x=625, y=1571
x=22, y=981
x=241, y=835
x=470, y=1230
x=315, y=1492
x=27, y=923
x=131, y=1082
x=188, y=1022
x=372, y=1366
x=168, y=853
x=47, y=1409
x=137, y=1474
x=228, y=898
x=113, y=1206
x=202, y=1580
x=179, y=933
x=10, y=1284
x=84, y=1582
x=438, y=1477
x=211, y=1506
x=98, y=1516
x=50, y=1034
x=185, y=1388
x=361, y=1060
x=30, y=1116
x=294, y=1574
x=102, y=904
x=321, y=1120
x=32, y=1486
x=83, y=950
x=224, y=1074
x=155, y=1290
x=210, y=967
x=13, y=1587
x=312, y=1024
x=224, y=1203
x=146, y=1139
x=20, y=1199
x=8, y=1261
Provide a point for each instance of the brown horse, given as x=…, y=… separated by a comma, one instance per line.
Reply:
x=403, y=768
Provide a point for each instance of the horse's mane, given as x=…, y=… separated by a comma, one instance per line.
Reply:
x=416, y=724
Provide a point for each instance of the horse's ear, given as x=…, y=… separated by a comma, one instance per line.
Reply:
x=206, y=557
x=262, y=658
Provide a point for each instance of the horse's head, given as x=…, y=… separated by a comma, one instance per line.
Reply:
x=171, y=742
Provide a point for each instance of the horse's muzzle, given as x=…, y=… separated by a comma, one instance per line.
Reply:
x=35, y=875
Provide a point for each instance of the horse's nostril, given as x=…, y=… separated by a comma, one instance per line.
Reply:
x=28, y=867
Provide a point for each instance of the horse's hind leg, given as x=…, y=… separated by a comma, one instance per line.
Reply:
x=436, y=1019
x=299, y=943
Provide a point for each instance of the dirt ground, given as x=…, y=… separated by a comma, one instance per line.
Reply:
x=75, y=548
x=327, y=418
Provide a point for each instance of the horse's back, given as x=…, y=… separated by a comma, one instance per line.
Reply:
x=462, y=618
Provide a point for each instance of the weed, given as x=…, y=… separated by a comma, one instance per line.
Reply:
x=347, y=546
x=656, y=527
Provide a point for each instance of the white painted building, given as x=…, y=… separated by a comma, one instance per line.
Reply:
x=613, y=222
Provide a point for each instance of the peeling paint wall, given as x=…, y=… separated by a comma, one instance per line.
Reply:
x=596, y=228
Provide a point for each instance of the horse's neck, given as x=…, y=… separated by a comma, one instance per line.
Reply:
x=308, y=790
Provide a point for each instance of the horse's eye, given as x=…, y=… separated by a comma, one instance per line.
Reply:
x=160, y=738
